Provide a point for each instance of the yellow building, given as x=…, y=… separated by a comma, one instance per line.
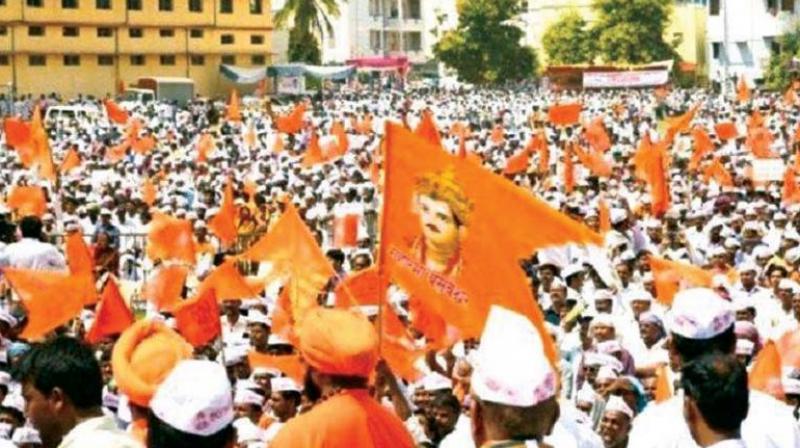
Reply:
x=91, y=46
x=688, y=22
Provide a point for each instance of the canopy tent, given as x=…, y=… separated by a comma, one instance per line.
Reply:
x=252, y=75
x=381, y=63
x=243, y=75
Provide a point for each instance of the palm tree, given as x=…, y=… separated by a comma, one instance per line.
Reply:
x=310, y=18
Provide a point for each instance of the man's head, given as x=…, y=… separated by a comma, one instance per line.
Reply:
x=285, y=398
x=616, y=423
x=444, y=412
x=700, y=322
x=716, y=396
x=31, y=227
x=61, y=383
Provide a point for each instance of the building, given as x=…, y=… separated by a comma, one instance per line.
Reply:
x=280, y=37
x=388, y=28
x=753, y=28
x=91, y=46
x=688, y=24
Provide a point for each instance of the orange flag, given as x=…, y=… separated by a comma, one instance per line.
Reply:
x=144, y=145
x=71, y=161
x=540, y=145
x=681, y=123
x=663, y=389
x=756, y=120
x=593, y=161
x=650, y=162
x=365, y=126
x=48, y=297
x=790, y=193
x=603, y=216
x=718, y=173
x=197, y=319
x=342, y=144
x=81, y=266
x=115, y=113
x=360, y=288
x=345, y=231
x=233, y=113
x=295, y=257
x=17, y=132
x=170, y=239
x=433, y=197
x=742, y=91
x=40, y=148
x=313, y=154
x=223, y=224
x=597, y=136
x=788, y=346
x=292, y=123
x=759, y=141
x=427, y=128
x=149, y=192
x=672, y=276
x=702, y=146
x=766, y=373
x=117, y=153
x=227, y=283
x=790, y=97
x=397, y=348
x=289, y=365
x=518, y=163
x=249, y=136
x=726, y=130
x=569, y=170
x=564, y=114
x=27, y=201
x=112, y=315
x=205, y=147
x=164, y=287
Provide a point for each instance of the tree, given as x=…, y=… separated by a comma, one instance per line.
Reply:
x=778, y=76
x=310, y=19
x=485, y=46
x=569, y=40
x=632, y=31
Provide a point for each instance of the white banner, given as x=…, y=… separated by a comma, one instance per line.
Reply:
x=643, y=78
x=291, y=85
x=766, y=170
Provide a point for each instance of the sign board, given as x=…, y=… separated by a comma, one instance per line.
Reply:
x=642, y=78
x=766, y=170
x=291, y=85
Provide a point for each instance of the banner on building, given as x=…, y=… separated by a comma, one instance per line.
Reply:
x=626, y=79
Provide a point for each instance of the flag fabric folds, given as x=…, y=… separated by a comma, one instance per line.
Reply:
x=112, y=315
x=197, y=319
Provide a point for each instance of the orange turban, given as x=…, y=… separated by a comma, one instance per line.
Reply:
x=143, y=357
x=338, y=342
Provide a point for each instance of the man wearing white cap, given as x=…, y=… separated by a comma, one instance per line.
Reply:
x=616, y=423
x=700, y=322
x=193, y=407
x=283, y=402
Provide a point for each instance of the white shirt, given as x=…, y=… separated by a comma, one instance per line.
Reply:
x=461, y=436
x=769, y=424
x=731, y=443
x=29, y=253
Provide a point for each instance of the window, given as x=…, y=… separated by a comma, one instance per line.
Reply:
x=787, y=5
x=34, y=3
x=70, y=31
x=197, y=59
x=228, y=59
x=135, y=5
x=69, y=4
x=4, y=59
x=256, y=39
x=135, y=33
x=258, y=59
x=375, y=40
x=713, y=8
x=105, y=59
x=167, y=59
x=412, y=10
x=196, y=33
x=226, y=6
x=413, y=41
x=165, y=5
x=103, y=4
x=195, y=5
x=36, y=31
x=716, y=50
x=104, y=32
x=137, y=59
x=256, y=7
x=3, y=30
x=37, y=60
x=72, y=60
x=166, y=32
x=226, y=39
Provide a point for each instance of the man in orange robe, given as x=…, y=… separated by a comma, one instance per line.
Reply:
x=341, y=349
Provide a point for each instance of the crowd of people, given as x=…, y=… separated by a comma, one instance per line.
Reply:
x=633, y=369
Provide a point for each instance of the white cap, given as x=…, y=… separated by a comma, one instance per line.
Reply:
x=247, y=396
x=436, y=381
x=792, y=285
x=609, y=347
x=639, y=295
x=284, y=385
x=586, y=395
x=6, y=317
x=571, y=270
x=5, y=379
x=603, y=320
x=617, y=404
x=258, y=371
x=26, y=434
x=14, y=401
x=699, y=313
x=257, y=317
x=744, y=347
x=747, y=266
x=791, y=386
x=275, y=339
x=195, y=398
x=617, y=215
x=510, y=366
x=606, y=373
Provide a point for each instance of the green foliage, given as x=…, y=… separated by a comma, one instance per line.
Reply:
x=569, y=40
x=778, y=76
x=309, y=18
x=304, y=47
x=632, y=31
x=485, y=47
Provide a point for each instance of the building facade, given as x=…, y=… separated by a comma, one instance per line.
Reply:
x=92, y=46
x=753, y=29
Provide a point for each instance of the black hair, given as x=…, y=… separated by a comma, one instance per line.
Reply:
x=447, y=401
x=690, y=349
x=162, y=435
x=15, y=413
x=717, y=383
x=31, y=227
x=336, y=255
x=65, y=363
x=291, y=395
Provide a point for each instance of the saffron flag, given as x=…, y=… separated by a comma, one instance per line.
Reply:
x=593, y=161
x=437, y=200
x=223, y=224
x=518, y=163
x=397, y=348
x=112, y=315
x=277, y=147
x=670, y=277
x=564, y=114
x=289, y=365
x=296, y=258
x=742, y=91
x=718, y=173
x=345, y=230
x=313, y=154
x=788, y=346
x=597, y=136
x=650, y=162
x=71, y=161
x=766, y=374
x=233, y=112
x=197, y=319
x=170, y=239
x=81, y=266
x=205, y=147
x=27, y=201
x=759, y=141
x=164, y=288
x=702, y=146
x=569, y=170
x=17, y=132
x=359, y=288
x=726, y=130
x=663, y=389
x=427, y=129
x=227, y=283
x=149, y=192
x=42, y=157
x=115, y=113
x=681, y=123
x=292, y=123
x=144, y=144
x=790, y=193
x=342, y=144
x=603, y=216
x=48, y=297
